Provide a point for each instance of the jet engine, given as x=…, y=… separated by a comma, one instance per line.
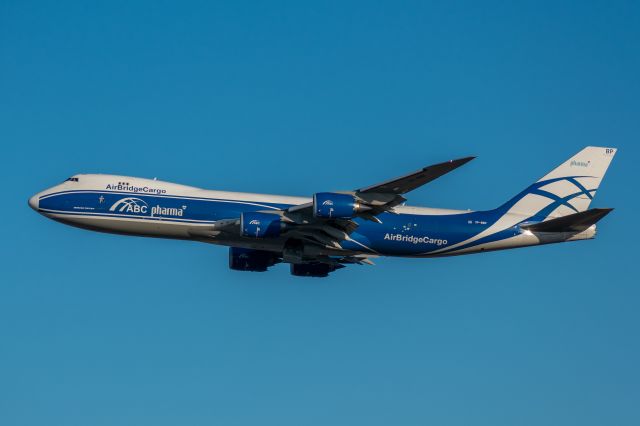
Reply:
x=241, y=259
x=260, y=225
x=332, y=205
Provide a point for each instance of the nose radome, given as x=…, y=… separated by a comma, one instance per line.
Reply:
x=33, y=202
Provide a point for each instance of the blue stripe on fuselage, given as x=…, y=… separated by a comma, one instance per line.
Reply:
x=150, y=206
x=399, y=234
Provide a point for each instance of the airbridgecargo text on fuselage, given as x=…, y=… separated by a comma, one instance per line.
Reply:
x=136, y=189
x=415, y=240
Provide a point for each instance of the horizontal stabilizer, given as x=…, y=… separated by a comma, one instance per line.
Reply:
x=576, y=222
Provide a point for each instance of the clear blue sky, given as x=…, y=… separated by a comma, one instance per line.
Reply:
x=294, y=98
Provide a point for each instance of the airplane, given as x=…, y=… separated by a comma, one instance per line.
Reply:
x=330, y=230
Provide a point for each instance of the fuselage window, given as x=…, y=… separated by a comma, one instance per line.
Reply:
x=71, y=179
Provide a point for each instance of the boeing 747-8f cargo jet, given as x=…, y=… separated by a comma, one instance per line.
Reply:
x=323, y=233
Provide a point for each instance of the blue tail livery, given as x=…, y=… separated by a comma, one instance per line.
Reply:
x=330, y=230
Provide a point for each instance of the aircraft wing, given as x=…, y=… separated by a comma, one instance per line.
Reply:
x=406, y=183
x=328, y=220
x=368, y=203
x=384, y=196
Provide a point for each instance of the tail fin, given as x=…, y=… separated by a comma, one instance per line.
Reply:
x=566, y=190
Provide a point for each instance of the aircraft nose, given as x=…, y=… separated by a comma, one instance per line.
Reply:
x=33, y=202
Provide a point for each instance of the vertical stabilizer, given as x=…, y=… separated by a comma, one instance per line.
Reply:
x=567, y=189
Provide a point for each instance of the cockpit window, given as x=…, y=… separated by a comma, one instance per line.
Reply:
x=72, y=179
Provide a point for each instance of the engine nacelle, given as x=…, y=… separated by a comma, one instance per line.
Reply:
x=260, y=225
x=241, y=259
x=313, y=269
x=333, y=205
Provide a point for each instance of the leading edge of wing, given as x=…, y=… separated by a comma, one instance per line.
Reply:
x=411, y=181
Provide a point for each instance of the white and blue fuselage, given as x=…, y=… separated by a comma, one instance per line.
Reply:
x=320, y=234
x=152, y=208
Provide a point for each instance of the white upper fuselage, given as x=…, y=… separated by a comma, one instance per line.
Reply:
x=143, y=186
